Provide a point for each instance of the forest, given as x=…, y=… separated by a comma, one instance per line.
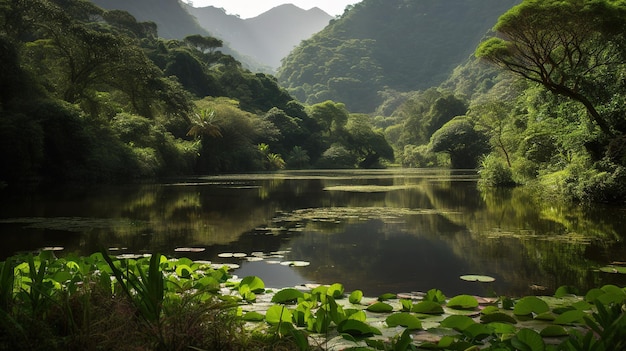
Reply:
x=93, y=95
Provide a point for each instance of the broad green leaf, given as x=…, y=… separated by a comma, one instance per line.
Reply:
x=357, y=328
x=255, y=283
x=277, y=314
x=614, y=269
x=253, y=317
x=497, y=317
x=569, y=317
x=380, y=307
x=335, y=290
x=405, y=320
x=528, y=340
x=554, y=331
x=435, y=295
x=593, y=294
x=288, y=295
x=355, y=297
x=456, y=322
x=387, y=296
x=478, y=278
x=489, y=309
x=478, y=331
x=563, y=291
x=502, y=328
x=463, y=302
x=427, y=307
x=529, y=305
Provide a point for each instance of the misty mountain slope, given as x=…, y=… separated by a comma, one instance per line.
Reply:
x=267, y=38
x=402, y=45
x=173, y=22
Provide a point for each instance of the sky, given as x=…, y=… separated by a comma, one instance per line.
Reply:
x=252, y=8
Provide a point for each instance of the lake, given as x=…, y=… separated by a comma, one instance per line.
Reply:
x=396, y=230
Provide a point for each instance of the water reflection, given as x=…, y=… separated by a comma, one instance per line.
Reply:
x=379, y=231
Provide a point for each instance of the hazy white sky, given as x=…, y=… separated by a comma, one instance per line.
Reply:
x=252, y=8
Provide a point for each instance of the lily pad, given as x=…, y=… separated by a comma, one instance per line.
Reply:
x=613, y=269
x=478, y=278
x=404, y=319
x=380, y=307
x=463, y=302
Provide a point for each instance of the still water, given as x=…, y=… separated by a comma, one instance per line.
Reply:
x=379, y=231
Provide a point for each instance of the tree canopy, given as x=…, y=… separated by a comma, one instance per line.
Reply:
x=570, y=47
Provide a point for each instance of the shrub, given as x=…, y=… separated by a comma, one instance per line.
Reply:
x=495, y=172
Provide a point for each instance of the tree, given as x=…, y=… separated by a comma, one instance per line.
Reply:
x=203, y=44
x=574, y=48
x=461, y=141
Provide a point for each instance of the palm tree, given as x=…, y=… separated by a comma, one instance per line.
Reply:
x=203, y=123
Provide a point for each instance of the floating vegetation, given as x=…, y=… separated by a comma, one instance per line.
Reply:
x=189, y=249
x=614, y=269
x=368, y=188
x=338, y=215
x=478, y=278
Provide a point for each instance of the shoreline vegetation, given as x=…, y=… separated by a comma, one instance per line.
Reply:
x=152, y=302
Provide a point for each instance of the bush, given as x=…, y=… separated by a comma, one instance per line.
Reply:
x=495, y=172
x=602, y=181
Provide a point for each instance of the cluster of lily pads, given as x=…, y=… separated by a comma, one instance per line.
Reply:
x=318, y=316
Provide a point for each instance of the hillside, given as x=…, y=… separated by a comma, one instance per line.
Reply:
x=268, y=37
x=387, y=44
x=173, y=22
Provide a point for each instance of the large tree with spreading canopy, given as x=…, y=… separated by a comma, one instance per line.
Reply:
x=574, y=48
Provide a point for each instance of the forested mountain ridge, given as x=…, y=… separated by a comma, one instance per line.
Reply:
x=268, y=37
x=387, y=44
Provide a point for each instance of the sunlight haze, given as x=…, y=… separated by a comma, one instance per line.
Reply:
x=253, y=8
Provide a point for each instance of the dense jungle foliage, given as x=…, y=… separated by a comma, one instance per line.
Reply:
x=541, y=100
x=94, y=95
x=380, y=45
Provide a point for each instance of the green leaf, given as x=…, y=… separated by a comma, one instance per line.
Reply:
x=497, y=317
x=528, y=340
x=593, y=294
x=380, y=307
x=277, y=314
x=563, y=291
x=478, y=278
x=529, y=305
x=355, y=297
x=614, y=269
x=253, y=317
x=256, y=285
x=427, y=307
x=554, y=331
x=435, y=295
x=570, y=317
x=456, y=322
x=405, y=320
x=288, y=295
x=387, y=296
x=478, y=331
x=335, y=290
x=502, y=328
x=463, y=302
x=357, y=328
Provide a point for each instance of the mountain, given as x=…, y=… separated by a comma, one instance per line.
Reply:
x=393, y=45
x=173, y=22
x=268, y=37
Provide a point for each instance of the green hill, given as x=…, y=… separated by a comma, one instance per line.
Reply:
x=387, y=44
